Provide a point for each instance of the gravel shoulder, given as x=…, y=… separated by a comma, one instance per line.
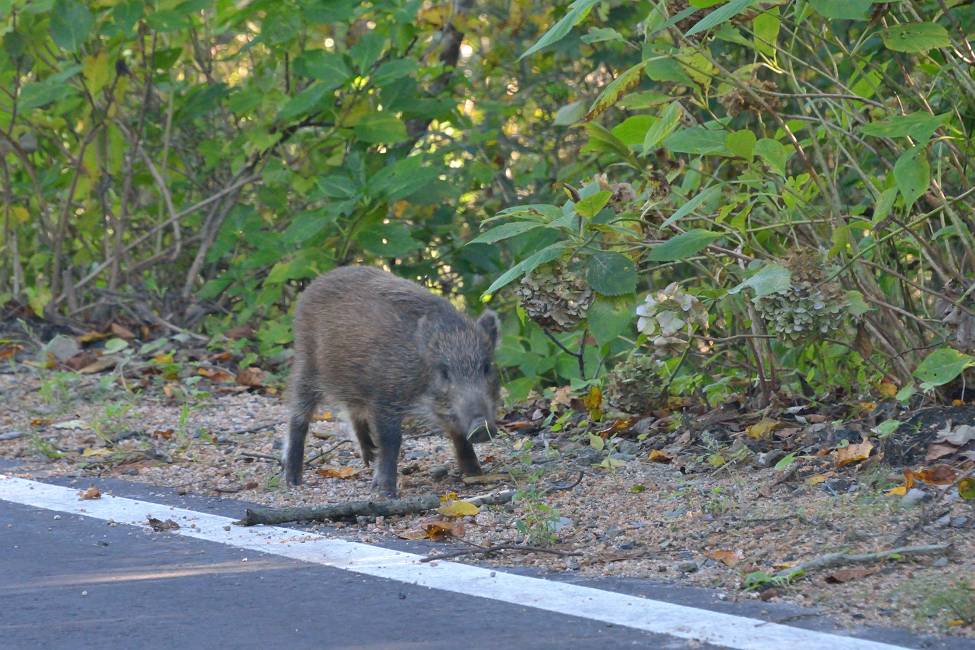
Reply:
x=629, y=518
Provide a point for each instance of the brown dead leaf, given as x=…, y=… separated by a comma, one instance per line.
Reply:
x=165, y=434
x=159, y=525
x=937, y=475
x=91, y=493
x=8, y=351
x=616, y=427
x=122, y=332
x=221, y=357
x=815, y=418
x=81, y=360
x=324, y=416
x=901, y=490
x=849, y=574
x=658, y=456
x=562, y=397
x=40, y=422
x=100, y=364
x=938, y=450
x=483, y=479
x=239, y=332
x=435, y=529
x=252, y=377
x=726, y=556
x=88, y=337
x=853, y=453
x=782, y=434
x=169, y=389
x=886, y=389
x=215, y=374
x=762, y=430
x=338, y=472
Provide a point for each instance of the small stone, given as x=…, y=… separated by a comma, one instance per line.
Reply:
x=226, y=528
x=940, y=522
x=56, y=517
x=11, y=435
x=940, y=562
x=722, y=596
x=959, y=522
x=913, y=497
x=401, y=596
x=687, y=567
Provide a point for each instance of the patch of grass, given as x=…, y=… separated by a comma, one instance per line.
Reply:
x=948, y=604
x=56, y=389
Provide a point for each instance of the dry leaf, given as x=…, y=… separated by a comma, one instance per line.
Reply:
x=338, y=472
x=482, y=479
x=122, y=331
x=937, y=475
x=165, y=434
x=901, y=490
x=88, y=337
x=40, y=422
x=435, y=529
x=762, y=430
x=594, y=402
x=816, y=479
x=252, y=376
x=162, y=359
x=8, y=351
x=728, y=557
x=617, y=426
x=70, y=424
x=215, y=374
x=221, y=357
x=159, y=525
x=853, y=453
x=90, y=452
x=326, y=416
x=239, y=332
x=562, y=397
x=966, y=489
x=458, y=509
x=658, y=456
x=91, y=493
x=959, y=435
x=939, y=450
x=852, y=573
x=886, y=390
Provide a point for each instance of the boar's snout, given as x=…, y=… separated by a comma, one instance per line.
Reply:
x=482, y=429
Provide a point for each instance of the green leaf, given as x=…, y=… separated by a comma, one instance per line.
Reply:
x=304, y=102
x=616, y=89
x=402, y=179
x=611, y=274
x=883, y=204
x=381, y=128
x=388, y=240
x=602, y=140
x=592, y=204
x=527, y=265
x=919, y=126
x=915, y=37
x=720, y=15
x=774, y=153
x=697, y=140
x=577, y=12
x=632, y=130
x=570, y=114
x=663, y=127
x=855, y=304
x=771, y=278
x=70, y=23
x=941, y=366
x=306, y=225
x=692, y=205
x=608, y=318
x=785, y=462
x=741, y=143
x=393, y=70
x=766, y=27
x=912, y=173
x=683, y=245
x=367, y=50
x=600, y=34
x=328, y=68
x=505, y=231
x=843, y=9
x=115, y=345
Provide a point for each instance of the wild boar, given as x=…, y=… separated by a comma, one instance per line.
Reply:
x=381, y=348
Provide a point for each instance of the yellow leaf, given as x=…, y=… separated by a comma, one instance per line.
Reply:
x=886, y=389
x=162, y=359
x=20, y=213
x=728, y=557
x=853, y=453
x=762, y=430
x=658, y=456
x=450, y=496
x=898, y=491
x=966, y=488
x=93, y=451
x=326, y=416
x=816, y=479
x=338, y=472
x=97, y=71
x=458, y=509
x=593, y=402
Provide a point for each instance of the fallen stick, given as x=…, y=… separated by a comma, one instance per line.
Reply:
x=270, y=516
x=831, y=560
x=488, y=550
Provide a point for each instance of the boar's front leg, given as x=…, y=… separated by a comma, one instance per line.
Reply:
x=366, y=446
x=389, y=437
x=466, y=458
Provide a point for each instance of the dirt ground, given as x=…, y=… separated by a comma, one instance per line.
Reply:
x=610, y=511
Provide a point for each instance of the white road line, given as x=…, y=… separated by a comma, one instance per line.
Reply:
x=585, y=602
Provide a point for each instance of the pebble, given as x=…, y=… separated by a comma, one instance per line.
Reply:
x=959, y=522
x=687, y=567
x=913, y=497
x=56, y=517
x=11, y=435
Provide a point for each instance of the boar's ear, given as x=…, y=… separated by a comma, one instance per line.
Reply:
x=491, y=325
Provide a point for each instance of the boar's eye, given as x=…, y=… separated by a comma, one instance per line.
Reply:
x=442, y=372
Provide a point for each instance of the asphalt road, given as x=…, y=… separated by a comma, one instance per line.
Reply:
x=73, y=581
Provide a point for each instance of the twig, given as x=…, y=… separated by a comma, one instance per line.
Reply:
x=253, y=429
x=327, y=451
x=831, y=560
x=254, y=454
x=406, y=506
x=490, y=550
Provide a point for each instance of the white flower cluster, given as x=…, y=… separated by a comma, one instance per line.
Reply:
x=664, y=316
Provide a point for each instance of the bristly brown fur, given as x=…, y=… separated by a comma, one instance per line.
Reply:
x=382, y=347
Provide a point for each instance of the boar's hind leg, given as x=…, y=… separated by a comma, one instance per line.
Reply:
x=466, y=458
x=389, y=436
x=303, y=404
x=366, y=446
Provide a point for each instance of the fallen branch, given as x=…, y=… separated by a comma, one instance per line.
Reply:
x=406, y=506
x=490, y=550
x=831, y=560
